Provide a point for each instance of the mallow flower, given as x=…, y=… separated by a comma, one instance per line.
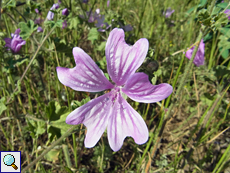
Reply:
x=168, y=12
x=50, y=14
x=65, y=12
x=15, y=43
x=199, y=58
x=228, y=13
x=111, y=110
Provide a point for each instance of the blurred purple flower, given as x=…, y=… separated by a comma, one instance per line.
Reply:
x=228, y=13
x=39, y=29
x=101, y=25
x=38, y=21
x=111, y=110
x=64, y=24
x=65, y=12
x=92, y=17
x=50, y=14
x=168, y=12
x=85, y=1
x=199, y=58
x=59, y=1
x=37, y=11
x=108, y=3
x=15, y=43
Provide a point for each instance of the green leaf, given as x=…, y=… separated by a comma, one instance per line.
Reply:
x=53, y=110
x=11, y=3
x=27, y=29
x=101, y=47
x=77, y=104
x=52, y=155
x=202, y=3
x=224, y=45
x=223, y=5
x=204, y=17
x=220, y=20
x=2, y=105
x=191, y=10
x=61, y=124
x=59, y=23
x=93, y=34
x=208, y=37
x=74, y=21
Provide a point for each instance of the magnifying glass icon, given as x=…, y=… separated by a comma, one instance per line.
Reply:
x=9, y=160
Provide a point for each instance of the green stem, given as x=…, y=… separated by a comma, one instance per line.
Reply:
x=189, y=65
x=27, y=68
x=69, y=131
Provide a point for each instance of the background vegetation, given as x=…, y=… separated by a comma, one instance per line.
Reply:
x=189, y=131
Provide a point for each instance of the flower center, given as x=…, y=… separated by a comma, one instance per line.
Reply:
x=114, y=92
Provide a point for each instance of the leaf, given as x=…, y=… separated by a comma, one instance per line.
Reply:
x=93, y=35
x=61, y=124
x=101, y=47
x=74, y=21
x=208, y=37
x=53, y=110
x=11, y=3
x=224, y=45
x=27, y=29
x=191, y=10
x=52, y=155
x=2, y=105
x=220, y=20
x=59, y=23
x=223, y=5
x=204, y=17
x=202, y=3
x=75, y=104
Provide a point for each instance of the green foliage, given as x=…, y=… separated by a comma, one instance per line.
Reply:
x=37, y=104
x=2, y=105
x=27, y=29
x=93, y=35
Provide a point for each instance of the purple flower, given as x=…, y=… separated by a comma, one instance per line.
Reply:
x=64, y=24
x=108, y=3
x=85, y=1
x=168, y=12
x=199, y=58
x=39, y=29
x=228, y=13
x=111, y=110
x=38, y=21
x=37, y=11
x=92, y=17
x=15, y=43
x=101, y=25
x=50, y=14
x=65, y=12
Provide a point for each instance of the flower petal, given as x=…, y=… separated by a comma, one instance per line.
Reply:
x=139, y=89
x=94, y=115
x=199, y=58
x=123, y=60
x=125, y=121
x=85, y=76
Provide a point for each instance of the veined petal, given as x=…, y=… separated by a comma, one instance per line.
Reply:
x=123, y=60
x=85, y=76
x=125, y=121
x=139, y=89
x=199, y=58
x=94, y=115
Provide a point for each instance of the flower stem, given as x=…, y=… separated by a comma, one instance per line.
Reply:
x=27, y=68
x=69, y=131
x=189, y=65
